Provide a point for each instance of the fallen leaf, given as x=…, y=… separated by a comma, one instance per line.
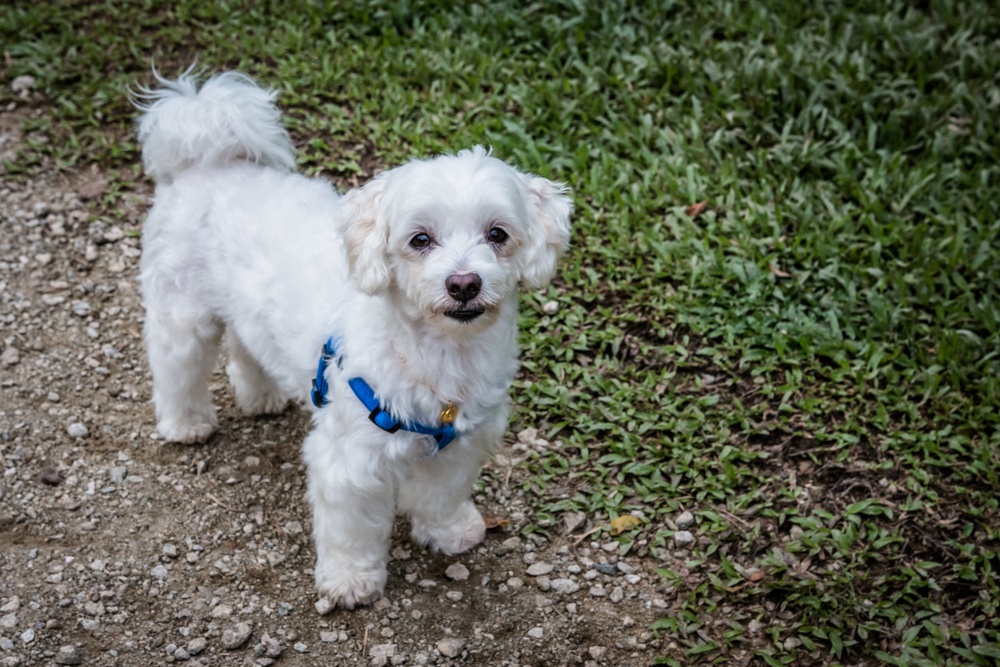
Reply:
x=93, y=188
x=492, y=523
x=694, y=210
x=778, y=272
x=623, y=523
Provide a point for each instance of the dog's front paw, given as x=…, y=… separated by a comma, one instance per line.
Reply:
x=187, y=432
x=266, y=403
x=348, y=588
x=465, y=530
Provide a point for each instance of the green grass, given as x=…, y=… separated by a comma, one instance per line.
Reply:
x=810, y=364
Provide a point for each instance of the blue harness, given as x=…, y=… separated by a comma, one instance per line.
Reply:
x=385, y=421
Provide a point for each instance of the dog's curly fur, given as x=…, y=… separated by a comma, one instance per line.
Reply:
x=416, y=274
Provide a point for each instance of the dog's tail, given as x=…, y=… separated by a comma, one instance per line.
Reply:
x=230, y=119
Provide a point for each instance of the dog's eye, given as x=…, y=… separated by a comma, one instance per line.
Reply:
x=420, y=241
x=497, y=236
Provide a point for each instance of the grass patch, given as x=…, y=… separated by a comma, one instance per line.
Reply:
x=780, y=310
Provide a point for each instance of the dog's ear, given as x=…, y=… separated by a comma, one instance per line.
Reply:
x=366, y=236
x=548, y=235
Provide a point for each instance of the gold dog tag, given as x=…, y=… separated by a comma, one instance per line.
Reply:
x=449, y=414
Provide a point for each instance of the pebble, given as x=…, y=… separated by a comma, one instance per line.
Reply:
x=683, y=538
x=381, y=654
x=323, y=606
x=551, y=308
x=77, y=430
x=564, y=586
x=197, y=645
x=597, y=652
x=68, y=655
x=170, y=550
x=159, y=571
x=28, y=636
x=299, y=647
x=684, y=520
x=181, y=654
x=11, y=605
x=117, y=474
x=539, y=568
x=457, y=572
x=606, y=568
x=11, y=356
x=235, y=636
x=451, y=647
x=22, y=84
x=536, y=632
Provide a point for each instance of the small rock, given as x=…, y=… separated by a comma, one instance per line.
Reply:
x=50, y=476
x=159, y=571
x=536, y=632
x=28, y=636
x=11, y=605
x=683, y=538
x=81, y=308
x=222, y=611
x=539, y=568
x=610, y=569
x=324, y=606
x=8, y=621
x=684, y=520
x=117, y=474
x=564, y=586
x=528, y=436
x=11, y=356
x=272, y=647
x=170, y=550
x=754, y=626
x=181, y=654
x=235, y=636
x=597, y=652
x=381, y=654
x=451, y=647
x=197, y=645
x=68, y=655
x=617, y=594
x=327, y=636
x=22, y=84
x=77, y=430
x=551, y=308
x=457, y=572
x=299, y=647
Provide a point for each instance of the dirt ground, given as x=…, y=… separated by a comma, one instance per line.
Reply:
x=119, y=549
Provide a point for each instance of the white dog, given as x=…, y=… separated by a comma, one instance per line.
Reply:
x=396, y=304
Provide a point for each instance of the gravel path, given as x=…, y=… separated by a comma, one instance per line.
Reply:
x=118, y=549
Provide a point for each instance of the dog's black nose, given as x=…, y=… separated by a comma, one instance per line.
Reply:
x=463, y=286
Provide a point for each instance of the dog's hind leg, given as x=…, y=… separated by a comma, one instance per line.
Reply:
x=183, y=349
x=256, y=392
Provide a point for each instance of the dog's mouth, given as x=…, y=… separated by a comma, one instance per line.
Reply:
x=465, y=315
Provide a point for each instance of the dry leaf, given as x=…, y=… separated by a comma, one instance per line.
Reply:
x=492, y=523
x=694, y=210
x=93, y=188
x=623, y=523
x=757, y=576
x=778, y=272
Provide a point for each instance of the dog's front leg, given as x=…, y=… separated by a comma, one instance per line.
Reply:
x=352, y=493
x=436, y=495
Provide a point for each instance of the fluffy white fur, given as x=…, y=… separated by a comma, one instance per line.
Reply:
x=241, y=250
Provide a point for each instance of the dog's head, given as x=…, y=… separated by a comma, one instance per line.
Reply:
x=455, y=235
